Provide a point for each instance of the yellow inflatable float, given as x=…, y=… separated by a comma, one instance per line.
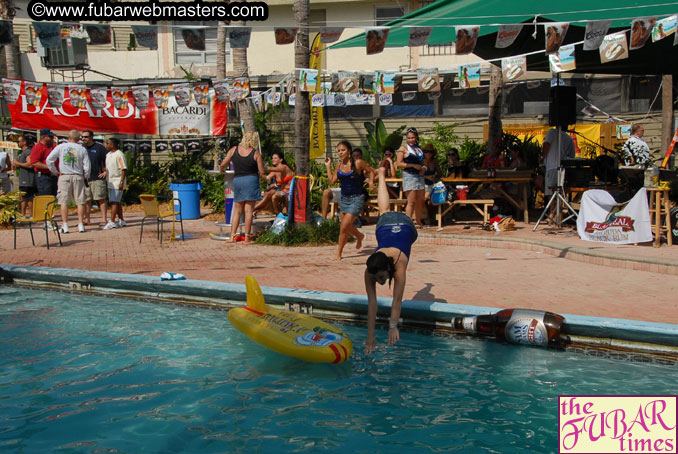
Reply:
x=289, y=333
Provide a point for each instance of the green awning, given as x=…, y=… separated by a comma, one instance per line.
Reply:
x=660, y=57
x=445, y=14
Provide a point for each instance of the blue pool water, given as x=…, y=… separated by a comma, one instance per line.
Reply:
x=82, y=374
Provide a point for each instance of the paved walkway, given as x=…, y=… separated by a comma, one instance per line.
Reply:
x=550, y=269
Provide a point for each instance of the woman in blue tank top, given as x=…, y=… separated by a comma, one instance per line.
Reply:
x=352, y=174
x=410, y=157
x=395, y=235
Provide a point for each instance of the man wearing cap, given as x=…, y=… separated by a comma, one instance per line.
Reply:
x=74, y=168
x=46, y=182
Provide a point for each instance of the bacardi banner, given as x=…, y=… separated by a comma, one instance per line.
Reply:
x=603, y=220
x=174, y=120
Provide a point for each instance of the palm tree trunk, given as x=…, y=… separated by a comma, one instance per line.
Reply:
x=221, y=50
x=241, y=69
x=12, y=60
x=302, y=107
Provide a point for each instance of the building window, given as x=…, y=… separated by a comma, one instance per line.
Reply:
x=437, y=49
x=383, y=14
x=184, y=55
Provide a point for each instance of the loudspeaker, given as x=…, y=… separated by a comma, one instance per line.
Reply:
x=562, y=106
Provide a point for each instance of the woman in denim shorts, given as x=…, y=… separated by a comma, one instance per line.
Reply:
x=351, y=174
x=410, y=157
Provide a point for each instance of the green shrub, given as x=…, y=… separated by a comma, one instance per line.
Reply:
x=379, y=139
x=304, y=235
x=8, y=212
x=472, y=153
x=145, y=179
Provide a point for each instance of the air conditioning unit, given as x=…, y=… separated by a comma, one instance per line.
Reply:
x=71, y=53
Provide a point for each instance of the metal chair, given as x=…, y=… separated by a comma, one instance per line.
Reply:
x=43, y=209
x=152, y=210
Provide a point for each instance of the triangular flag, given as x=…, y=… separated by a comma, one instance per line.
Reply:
x=664, y=27
x=11, y=89
x=555, y=35
x=285, y=35
x=641, y=29
x=98, y=33
x=419, y=36
x=98, y=97
x=239, y=37
x=330, y=34
x=55, y=95
x=140, y=94
x=78, y=96
x=506, y=35
x=146, y=35
x=595, y=33
x=182, y=94
x=375, y=39
x=161, y=96
x=120, y=97
x=49, y=33
x=194, y=38
x=614, y=47
x=33, y=93
x=5, y=33
x=466, y=39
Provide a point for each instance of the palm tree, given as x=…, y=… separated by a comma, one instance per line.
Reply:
x=7, y=12
x=302, y=107
x=241, y=69
x=221, y=49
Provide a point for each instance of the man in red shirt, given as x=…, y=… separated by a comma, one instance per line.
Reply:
x=45, y=181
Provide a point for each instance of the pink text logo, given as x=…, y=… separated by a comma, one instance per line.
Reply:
x=617, y=424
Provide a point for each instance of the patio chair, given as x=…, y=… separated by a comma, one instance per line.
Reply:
x=152, y=210
x=43, y=209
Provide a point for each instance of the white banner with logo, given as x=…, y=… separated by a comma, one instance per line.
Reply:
x=603, y=220
x=184, y=120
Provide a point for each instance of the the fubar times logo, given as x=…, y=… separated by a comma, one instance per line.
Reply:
x=617, y=424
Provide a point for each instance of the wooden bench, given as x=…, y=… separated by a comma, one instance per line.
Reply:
x=394, y=204
x=445, y=207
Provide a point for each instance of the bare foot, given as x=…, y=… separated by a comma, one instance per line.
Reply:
x=337, y=258
x=359, y=241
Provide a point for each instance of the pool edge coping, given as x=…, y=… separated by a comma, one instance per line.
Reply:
x=661, y=334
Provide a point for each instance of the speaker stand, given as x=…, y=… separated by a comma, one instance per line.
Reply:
x=558, y=197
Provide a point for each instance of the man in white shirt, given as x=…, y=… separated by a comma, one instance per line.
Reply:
x=74, y=167
x=636, y=151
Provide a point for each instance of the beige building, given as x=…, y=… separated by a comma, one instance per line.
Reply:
x=264, y=56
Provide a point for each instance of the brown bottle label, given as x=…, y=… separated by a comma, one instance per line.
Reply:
x=526, y=327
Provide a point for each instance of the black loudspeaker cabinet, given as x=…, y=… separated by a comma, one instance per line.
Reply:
x=562, y=106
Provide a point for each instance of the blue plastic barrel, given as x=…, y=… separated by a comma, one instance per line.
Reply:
x=188, y=192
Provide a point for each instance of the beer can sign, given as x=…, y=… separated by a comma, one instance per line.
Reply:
x=524, y=329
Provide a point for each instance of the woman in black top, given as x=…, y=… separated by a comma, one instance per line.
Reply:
x=248, y=166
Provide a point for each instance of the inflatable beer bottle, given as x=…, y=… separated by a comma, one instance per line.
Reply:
x=519, y=326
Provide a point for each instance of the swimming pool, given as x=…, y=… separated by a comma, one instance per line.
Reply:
x=104, y=374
